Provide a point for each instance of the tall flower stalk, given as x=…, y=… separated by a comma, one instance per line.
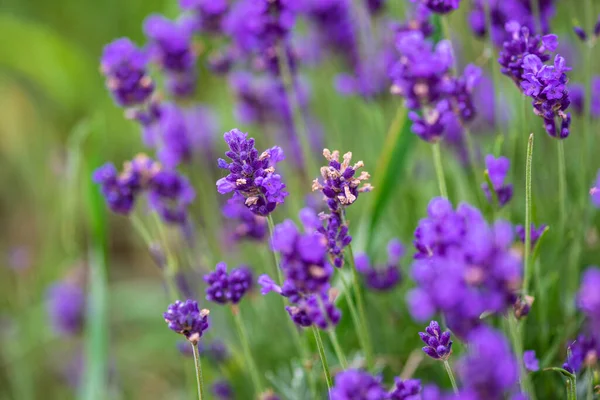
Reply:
x=198, y=365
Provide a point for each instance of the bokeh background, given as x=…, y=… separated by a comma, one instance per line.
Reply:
x=58, y=123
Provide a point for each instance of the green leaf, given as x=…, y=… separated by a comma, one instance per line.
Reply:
x=63, y=72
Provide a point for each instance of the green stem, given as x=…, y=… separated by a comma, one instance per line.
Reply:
x=527, y=250
x=250, y=364
x=451, y=376
x=338, y=349
x=572, y=388
x=321, y=350
x=562, y=184
x=275, y=256
x=517, y=342
x=198, y=366
x=353, y=314
x=439, y=169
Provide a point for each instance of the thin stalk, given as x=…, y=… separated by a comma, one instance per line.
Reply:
x=198, y=366
x=451, y=376
x=527, y=249
x=361, y=309
x=572, y=388
x=562, y=184
x=590, y=387
x=353, y=314
x=337, y=348
x=275, y=256
x=250, y=363
x=291, y=94
x=439, y=169
x=517, y=342
x=321, y=350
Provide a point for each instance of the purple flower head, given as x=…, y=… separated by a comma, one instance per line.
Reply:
x=303, y=256
x=536, y=233
x=187, y=319
x=408, y=389
x=208, y=14
x=530, y=360
x=384, y=277
x=222, y=390
x=580, y=32
x=497, y=169
x=248, y=225
x=375, y=6
x=597, y=27
x=438, y=343
x=583, y=352
x=595, y=191
x=315, y=309
x=489, y=369
x=356, y=384
x=65, y=302
x=441, y=6
x=463, y=266
x=124, y=66
x=223, y=287
x=252, y=175
x=588, y=297
x=170, y=194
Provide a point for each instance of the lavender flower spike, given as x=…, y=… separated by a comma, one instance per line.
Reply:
x=588, y=297
x=530, y=360
x=226, y=287
x=497, y=169
x=252, y=175
x=187, y=319
x=536, y=233
x=385, y=277
x=355, y=384
x=439, y=345
x=408, y=389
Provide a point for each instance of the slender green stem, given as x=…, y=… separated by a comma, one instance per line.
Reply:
x=321, y=350
x=439, y=169
x=337, y=348
x=250, y=364
x=198, y=366
x=353, y=314
x=451, y=376
x=562, y=184
x=517, y=341
x=572, y=388
x=275, y=256
x=527, y=250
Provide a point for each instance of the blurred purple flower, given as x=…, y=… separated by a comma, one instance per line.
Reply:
x=536, y=233
x=222, y=390
x=208, y=14
x=530, y=360
x=65, y=305
x=440, y=6
x=356, y=384
x=408, y=389
x=582, y=352
x=248, y=225
x=595, y=191
x=223, y=287
x=386, y=277
x=497, y=168
x=170, y=194
x=588, y=297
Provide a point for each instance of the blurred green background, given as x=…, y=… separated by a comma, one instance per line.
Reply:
x=58, y=123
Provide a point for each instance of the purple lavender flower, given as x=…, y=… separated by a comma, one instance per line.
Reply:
x=226, y=287
x=408, y=389
x=536, y=233
x=222, y=390
x=441, y=6
x=65, y=302
x=248, y=225
x=187, y=319
x=251, y=175
x=170, y=194
x=124, y=67
x=489, y=369
x=208, y=14
x=497, y=169
x=356, y=384
x=439, y=345
x=595, y=192
x=581, y=34
x=315, y=309
x=385, y=277
x=588, y=297
x=463, y=266
x=583, y=352
x=530, y=360
x=340, y=188
x=171, y=48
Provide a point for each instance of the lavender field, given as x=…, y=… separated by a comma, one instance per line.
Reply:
x=300, y=199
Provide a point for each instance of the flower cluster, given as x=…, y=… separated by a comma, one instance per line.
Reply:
x=65, y=302
x=386, y=277
x=422, y=75
x=306, y=272
x=171, y=47
x=463, y=266
x=357, y=384
x=248, y=225
x=536, y=233
x=223, y=287
x=438, y=343
x=125, y=68
x=252, y=175
x=497, y=169
x=588, y=297
x=187, y=319
x=169, y=193
x=408, y=389
x=489, y=370
x=340, y=188
x=208, y=14
x=583, y=352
